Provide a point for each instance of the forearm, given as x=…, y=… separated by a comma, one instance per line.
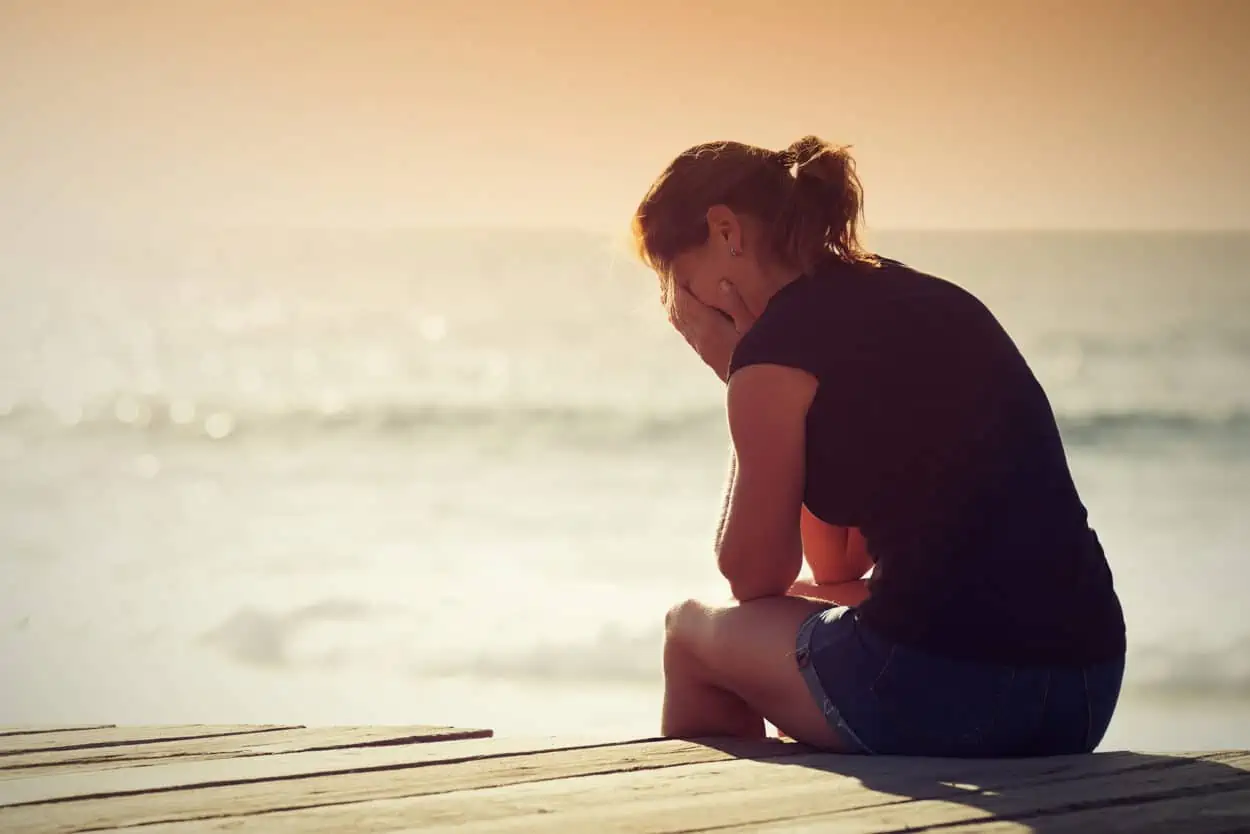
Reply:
x=857, y=550
x=743, y=571
x=834, y=554
x=840, y=593
x=755, y=578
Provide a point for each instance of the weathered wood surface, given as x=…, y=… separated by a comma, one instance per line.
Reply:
x=59, y=728
x=34, y=786
x=412, y=779
x=780, y=793
x=109, y=736
x=261, y=743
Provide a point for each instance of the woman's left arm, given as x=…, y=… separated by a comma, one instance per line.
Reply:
x=760, y=549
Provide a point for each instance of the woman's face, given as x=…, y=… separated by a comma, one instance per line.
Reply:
x=723, y=257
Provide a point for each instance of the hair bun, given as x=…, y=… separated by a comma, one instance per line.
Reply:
x=786, y=158
x=811, y=156
x=801, y=152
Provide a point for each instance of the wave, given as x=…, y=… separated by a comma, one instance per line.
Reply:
x=617, y=655
x=555, y=423
x=1111, y=427
x=1180, y=346
x=1203, y=672
x=263, y=638
x=209, y=422
x=614, y=656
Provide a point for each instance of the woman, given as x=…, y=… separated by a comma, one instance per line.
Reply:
x=872, y=409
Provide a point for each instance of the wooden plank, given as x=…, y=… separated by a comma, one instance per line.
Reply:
x=995, y=799
x=1225, y=813
x=266, y=742
x=241, y=799
x=592, y=802
x=1219, y=783
x=808, y=792
x=55, y=728
x=168, y=774
x=109, y=736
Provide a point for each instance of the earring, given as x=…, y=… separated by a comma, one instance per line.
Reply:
x=733, y=253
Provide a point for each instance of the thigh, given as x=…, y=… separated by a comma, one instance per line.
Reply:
x=749, y=650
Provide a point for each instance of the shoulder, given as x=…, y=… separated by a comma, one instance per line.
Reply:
x=895, y=280
x=810, y=320
x=792, y=330
x=801, y=300
x=783, y=335
x=767, y=400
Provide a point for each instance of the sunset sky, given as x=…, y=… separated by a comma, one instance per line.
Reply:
x=1001, y=113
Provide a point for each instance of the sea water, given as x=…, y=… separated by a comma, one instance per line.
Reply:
x=420, y=476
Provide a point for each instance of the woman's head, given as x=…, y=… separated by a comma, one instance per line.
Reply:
x=725, y=211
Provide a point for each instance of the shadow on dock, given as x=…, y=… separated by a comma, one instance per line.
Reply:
x=1099, y=792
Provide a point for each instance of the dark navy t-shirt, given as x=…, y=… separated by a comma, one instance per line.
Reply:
x=930, y=433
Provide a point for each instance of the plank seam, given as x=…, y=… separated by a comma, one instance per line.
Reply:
x=175, y=758
x=138, y=741
x=36, y=732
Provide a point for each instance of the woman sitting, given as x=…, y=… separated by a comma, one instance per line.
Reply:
x=873, y=409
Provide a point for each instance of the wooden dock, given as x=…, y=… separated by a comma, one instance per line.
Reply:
x=375, y=779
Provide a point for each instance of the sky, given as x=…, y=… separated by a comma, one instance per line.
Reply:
x=961, y=113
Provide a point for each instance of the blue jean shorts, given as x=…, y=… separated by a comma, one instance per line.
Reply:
x=887, y=699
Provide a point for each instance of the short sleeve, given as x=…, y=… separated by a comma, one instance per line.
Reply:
x=792, y=332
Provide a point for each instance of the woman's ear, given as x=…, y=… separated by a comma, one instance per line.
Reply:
x=725, y=229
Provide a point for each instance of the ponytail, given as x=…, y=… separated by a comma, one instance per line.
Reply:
x=824, y=208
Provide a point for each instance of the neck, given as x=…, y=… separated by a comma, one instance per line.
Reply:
x=776, y=277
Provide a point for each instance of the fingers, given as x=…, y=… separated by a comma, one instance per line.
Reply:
x=680, y=309
x=688, y=312
x=735, y=306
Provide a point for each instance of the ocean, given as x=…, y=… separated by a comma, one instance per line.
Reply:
x=457, y=476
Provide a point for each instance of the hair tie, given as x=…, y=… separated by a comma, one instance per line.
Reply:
x=786, y=159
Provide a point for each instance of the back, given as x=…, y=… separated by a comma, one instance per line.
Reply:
x=931, y=434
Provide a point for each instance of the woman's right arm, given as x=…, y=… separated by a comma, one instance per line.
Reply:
x=835, y=554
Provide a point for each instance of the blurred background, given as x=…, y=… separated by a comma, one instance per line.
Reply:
x=330, y=391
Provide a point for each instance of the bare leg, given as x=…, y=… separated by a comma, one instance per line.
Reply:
x=850, y=593
x=695, y=707
x=727, y=669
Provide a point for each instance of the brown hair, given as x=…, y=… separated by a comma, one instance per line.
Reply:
x=807, y=196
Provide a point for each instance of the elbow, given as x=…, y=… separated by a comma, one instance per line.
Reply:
x=754, y=578
x=748, y=591
x=837, y=575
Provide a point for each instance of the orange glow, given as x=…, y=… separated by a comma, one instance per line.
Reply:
x=560, y=112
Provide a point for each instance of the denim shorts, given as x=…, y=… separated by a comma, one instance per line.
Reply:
x=883, y=698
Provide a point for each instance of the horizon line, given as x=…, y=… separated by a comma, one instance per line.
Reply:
x=601, y=230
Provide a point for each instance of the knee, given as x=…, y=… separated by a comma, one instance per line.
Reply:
x=684, y=624
x=682, y=619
